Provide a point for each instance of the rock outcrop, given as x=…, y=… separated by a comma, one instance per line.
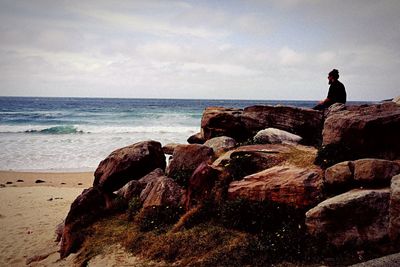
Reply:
x=128, y=163
x=281, y=173
x=356, y=218
x=368, y=131
x=291, y=185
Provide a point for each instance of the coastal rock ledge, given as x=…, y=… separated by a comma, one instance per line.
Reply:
x=345, y=172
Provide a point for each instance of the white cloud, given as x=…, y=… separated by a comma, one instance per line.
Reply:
x=289, y=57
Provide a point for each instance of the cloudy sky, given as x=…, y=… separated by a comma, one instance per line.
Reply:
x=271, y=49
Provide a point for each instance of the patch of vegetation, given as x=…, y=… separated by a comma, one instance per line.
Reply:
x=298, y=157
x=98, y=237
x=134, y=207
x=159, y=218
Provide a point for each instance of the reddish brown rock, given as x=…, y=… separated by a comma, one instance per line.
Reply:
x=366, y=131
x=186, y=159
x=162, y=191
x=86, y=209
x=375, y=170
x=306, y=123
x=358, y=217
x=394, y=222
x=219, y=121
x=201, y=185
x=294, y=186
x=128, y=163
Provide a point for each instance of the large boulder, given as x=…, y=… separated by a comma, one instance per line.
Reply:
x=201, y=185
x=275, y=136
x=291, y=185
x=128, y=163
x=219, y=121
x=394, y=223
x=186, y=159
x=356, y=218
x=86, y=209
x=221, y=144
x=367, y=131
x=162, y=191
x=306, y=123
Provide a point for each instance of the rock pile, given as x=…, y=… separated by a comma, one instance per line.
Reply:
x=352, y=198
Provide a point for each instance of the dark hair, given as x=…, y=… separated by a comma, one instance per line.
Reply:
x=334, y=73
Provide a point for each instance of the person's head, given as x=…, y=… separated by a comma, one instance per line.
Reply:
x=333, y=76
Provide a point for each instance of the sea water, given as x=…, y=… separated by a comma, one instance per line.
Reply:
x=75, y=134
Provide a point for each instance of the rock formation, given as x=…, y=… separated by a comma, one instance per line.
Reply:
x=362, y=140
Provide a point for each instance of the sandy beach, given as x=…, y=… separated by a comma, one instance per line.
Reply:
x=30, y=212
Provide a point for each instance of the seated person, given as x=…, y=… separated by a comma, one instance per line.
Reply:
x=336, y=93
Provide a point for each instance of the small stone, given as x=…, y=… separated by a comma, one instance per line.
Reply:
x=20, y=181
x=50, y=199
x=79, y=183
x=39, y=181
x=9, y=182
x=62, y=183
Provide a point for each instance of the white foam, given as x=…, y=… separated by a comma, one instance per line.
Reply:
x=75, y=151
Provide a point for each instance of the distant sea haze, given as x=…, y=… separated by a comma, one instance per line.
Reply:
x=75, y=134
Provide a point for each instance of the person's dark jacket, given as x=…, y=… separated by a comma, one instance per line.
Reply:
x=337, y=93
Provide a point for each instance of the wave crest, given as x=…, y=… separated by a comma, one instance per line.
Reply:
x=66, y=129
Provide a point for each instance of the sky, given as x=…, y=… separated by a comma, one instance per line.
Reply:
x=271, y=49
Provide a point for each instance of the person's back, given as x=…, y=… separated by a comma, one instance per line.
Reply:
x=336, y=93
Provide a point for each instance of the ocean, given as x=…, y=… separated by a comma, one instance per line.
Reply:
x=75, y=134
